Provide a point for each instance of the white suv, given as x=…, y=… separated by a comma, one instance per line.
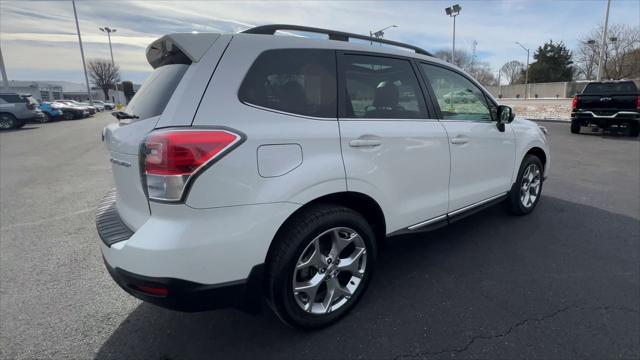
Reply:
x=254, y=166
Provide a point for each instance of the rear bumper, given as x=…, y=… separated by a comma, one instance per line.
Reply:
x=202, y=258
x=187, y=296
x=620, y=117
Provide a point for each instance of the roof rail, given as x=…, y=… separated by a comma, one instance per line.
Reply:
x=333, y=35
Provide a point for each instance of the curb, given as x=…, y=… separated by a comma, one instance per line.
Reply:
x=551, y=120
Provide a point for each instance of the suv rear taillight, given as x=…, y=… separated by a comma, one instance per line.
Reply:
x=638, y=102
x=171, y=159
x=574, y=102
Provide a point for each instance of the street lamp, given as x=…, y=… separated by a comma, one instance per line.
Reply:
x=526, y=75
x=84, y=66
x=109, y=30
x=380, y=33
x=603, y=44
x=453, y=11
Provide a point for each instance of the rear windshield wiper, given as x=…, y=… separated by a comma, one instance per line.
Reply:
x=121, y=115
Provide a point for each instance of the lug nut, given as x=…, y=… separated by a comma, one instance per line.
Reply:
x=322, y=270
x=329, y=261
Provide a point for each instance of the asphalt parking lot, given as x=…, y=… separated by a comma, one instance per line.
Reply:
x=563, y=282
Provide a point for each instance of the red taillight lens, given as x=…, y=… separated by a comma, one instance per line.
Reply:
x=574, y=102
x=171, y=158
x=638, y=102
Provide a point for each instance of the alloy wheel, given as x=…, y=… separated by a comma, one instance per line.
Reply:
x=530, y=185
x=6, y=122
x=329, y=270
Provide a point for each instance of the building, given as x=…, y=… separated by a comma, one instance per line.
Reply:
x=39, y=90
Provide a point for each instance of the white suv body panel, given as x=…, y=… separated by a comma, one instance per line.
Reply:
x=233, y=211
x=413, y=156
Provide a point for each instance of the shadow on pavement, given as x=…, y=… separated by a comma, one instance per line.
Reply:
x=562, y=282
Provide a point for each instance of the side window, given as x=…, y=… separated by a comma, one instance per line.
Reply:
x=458, y=98
x=380, y=88
x=297, y=81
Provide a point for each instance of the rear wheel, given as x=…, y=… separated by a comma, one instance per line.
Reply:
x=634, y=128
x=575, y=126
x=8, y=121
x=525, y=192
x=320, y=265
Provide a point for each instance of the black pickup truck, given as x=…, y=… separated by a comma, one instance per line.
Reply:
x=604, y=104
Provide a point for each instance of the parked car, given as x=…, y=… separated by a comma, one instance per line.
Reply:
x=269, y=181
x=605, y=104
x=75, y=110
x=52, y=111
x=106, y=105
x=92, y=109
x=71, y=111
x=18, y=109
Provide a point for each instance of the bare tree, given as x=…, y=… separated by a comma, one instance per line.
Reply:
x=463, y=59
x=620, y=61
x=511, y=71
x=103, y=75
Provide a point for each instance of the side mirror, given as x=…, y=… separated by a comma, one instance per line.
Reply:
x=505, y=116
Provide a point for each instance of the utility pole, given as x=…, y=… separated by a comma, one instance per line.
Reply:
x=526, y=75
x=113, y=64
x=603, y=43
x=84, y=66
x=5, y=79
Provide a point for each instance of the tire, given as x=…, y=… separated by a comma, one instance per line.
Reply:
x=634, y=128
x=575, y=127
x=8, y=121
x=313, y=237
x=44, y=119
x=530, y=176
x=68, y=115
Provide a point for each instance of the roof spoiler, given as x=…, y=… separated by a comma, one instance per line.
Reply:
x=179, y=48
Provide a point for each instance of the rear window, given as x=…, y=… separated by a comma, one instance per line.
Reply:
x=151, y=99
x=297, y=81
x=627, y=87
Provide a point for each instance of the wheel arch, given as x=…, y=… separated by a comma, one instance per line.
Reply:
x=359, y=202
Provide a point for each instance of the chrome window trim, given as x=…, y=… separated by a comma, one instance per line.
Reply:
x=288, y=113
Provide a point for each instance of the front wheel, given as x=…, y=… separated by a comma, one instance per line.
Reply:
x=525, y=192
x=8, y=121
x=320, y=265
x=45, y=119
x=575, y=126
x=68, y=115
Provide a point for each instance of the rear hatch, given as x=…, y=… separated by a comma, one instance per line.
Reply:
x=173, y=68
x=609, y=98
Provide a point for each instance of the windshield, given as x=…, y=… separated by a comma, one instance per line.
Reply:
x=627, y=87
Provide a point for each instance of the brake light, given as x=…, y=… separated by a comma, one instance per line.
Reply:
x=574, y=102
x=172, y=158
x=638, y=102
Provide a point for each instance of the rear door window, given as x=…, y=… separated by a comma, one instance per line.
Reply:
x=380, y=88
x=12, y=98
x=297, y=81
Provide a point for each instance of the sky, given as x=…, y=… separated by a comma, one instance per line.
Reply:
x=39, y=40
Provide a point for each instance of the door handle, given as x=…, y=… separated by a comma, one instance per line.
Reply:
x=460, y=140
x=363, y=142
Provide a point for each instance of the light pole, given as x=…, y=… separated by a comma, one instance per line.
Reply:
x=380, y=33
x=453, y=11
x=109, y=30
x=603, y=44
x=526, y=74
x=84, y=66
